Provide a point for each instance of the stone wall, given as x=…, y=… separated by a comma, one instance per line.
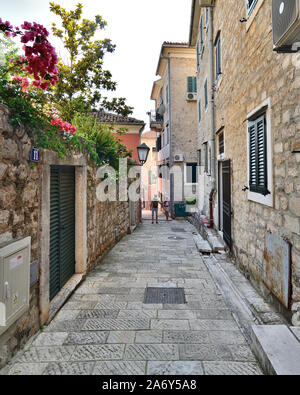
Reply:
x=254, y=75
x=20, y=212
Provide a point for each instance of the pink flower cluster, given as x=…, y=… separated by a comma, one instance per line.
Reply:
x=24, y=83
x=7, y=28
x=40, y=58
x=63, y=126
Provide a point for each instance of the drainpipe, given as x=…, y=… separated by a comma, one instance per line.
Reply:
x=170, y=128
x=212, y=117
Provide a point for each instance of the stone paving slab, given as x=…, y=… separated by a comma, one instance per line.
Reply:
x=175, y=368
x=82, y=338
x=152, y=352
x=27, y=369
x=50, y=339
x=116, y=324
x=106, y=329
x=122, y=368
x=86, y=314
x=47, y=354
x=170, y=324
x=232, y=369
x=98, y=352
x=69, y=368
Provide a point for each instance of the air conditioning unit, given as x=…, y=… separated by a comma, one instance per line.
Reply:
x=286, y=25
x=206, y=3
x=191, y=96
x=178, y=158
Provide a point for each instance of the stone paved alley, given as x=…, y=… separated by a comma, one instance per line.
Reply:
x=106, y=329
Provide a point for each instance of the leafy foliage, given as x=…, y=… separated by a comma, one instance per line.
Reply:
x=82, y=81
x=108, y=146
x=26, y=109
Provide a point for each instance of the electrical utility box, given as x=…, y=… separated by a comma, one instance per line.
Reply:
x=14, y=281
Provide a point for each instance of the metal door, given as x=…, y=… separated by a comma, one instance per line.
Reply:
x=62, y=227
x=226, y=187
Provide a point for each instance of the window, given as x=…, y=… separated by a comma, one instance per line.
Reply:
x=199, y=160
x=191, y=173
x=206, y=157
x=201, y=35
x=198, y=58
x=167, y=93
x=191, y=84
x=218, y=57
x=221, y=143
x=199, y=157
x=250, y=6
x=205, y=94
x=158, y=143
x=258, y=171
x=199, y=111
x=150, y=176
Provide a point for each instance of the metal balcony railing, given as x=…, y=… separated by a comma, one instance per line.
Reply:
x=155, y=117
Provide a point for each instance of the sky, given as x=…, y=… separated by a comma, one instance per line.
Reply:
x=137, y=27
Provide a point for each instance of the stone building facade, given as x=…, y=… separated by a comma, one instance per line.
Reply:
x=175, y=118
x=253, y=92
x=25, y=211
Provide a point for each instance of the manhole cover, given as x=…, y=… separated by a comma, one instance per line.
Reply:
x=164, y=296
x=176, y=238
x=178, y=230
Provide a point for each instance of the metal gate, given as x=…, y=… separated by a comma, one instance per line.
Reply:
x=62, y=227
x=226, y=185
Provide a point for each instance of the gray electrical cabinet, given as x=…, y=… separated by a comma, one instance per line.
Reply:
x=14, y=281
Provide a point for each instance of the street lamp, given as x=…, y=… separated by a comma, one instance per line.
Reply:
x=143, y=152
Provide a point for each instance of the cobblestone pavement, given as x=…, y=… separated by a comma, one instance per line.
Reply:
x=105, y=329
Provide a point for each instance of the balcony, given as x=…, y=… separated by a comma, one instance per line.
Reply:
x=156, y=121
x=164, y=153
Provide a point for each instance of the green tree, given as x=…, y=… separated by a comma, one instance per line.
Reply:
x=8, y=50
x=83, y=79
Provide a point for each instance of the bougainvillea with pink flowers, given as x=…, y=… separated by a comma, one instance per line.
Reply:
x=63, y=126
x=40, y=59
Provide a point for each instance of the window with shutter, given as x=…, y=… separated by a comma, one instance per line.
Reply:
x=201, y=34
x=199, y=111
x=221, y=143
x=191, y=84
x=205, y=94
x=218, y=57
x=258, y=174
x=250, y=6
x=206, y=158
x=198, y=58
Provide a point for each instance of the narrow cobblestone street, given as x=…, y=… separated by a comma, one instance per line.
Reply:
x=105, y=329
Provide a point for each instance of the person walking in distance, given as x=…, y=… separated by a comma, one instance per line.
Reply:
x=154, y=208
x=166, y=207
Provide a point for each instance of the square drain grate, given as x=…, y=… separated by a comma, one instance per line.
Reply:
x=164, y=296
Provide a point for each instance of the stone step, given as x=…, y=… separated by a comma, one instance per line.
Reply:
x=277, y=349
x=202, y=245
x=215, y=243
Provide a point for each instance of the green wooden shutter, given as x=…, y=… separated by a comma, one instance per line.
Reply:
x=54, y=233
x=258, y=177
x=62, y=227
x=199, y=111
x=192, y=84
x=198, y=59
